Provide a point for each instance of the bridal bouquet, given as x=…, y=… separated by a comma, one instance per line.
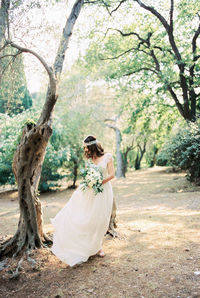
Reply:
x=92, y=178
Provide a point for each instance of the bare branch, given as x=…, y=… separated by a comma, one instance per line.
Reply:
x=127, y=34
x=10, y=55
x=122, y=54
x=9, y=64
x=48, y=69
x=163, y=50
x=154, y=12
x=141, y=69
x=115, y=9
x=106, y=5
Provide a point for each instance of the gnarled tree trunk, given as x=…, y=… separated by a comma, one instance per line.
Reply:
x=30, y=153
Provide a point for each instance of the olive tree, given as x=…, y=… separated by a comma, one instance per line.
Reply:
x=30, y=153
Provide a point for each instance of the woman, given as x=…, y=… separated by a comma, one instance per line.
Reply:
x=81, y=225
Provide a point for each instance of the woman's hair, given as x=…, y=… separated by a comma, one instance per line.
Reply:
x=93, y=149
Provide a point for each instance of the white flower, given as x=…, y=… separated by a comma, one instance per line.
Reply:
x=91, y=183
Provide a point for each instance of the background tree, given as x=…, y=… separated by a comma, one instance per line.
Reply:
x=14, y=95
x=164, y=52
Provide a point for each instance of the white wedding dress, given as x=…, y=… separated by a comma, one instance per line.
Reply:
x=82, y=223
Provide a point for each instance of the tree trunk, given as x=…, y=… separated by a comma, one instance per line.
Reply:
x=113, y=224
x=118, y=138
x=30, y=154
x=27, y=166
x=153, y=160
x=75, y=173
x=5, y=4
x=140, y=154
x=120, y=165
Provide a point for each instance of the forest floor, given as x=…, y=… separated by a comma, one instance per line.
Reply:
x=156, y=255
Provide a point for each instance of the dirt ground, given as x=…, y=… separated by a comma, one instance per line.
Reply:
x=156, y=255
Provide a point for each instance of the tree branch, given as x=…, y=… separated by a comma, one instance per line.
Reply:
x=6, y=67
x=67, y=32
x=194, y=42
x=116, y=57
x=115, y=9
x=10, y=55
x=59, y=60
x=171, y=15
x=127, y=34
x=179, y=106
x=154, y=12
x=48, y=69
x=141, y=69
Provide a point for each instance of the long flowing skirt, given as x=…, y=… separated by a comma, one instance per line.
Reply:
x=81, y=225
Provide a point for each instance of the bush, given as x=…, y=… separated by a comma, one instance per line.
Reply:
x=55, y=156
x=183, y=151
x=10, y=134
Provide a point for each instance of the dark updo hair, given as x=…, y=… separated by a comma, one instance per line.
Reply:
x=94, y=150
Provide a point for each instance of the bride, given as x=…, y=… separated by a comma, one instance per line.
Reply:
x=81, y=225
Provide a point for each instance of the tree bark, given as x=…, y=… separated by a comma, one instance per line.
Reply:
x=29, y=156
x=139, y=156
x=118, y=138
x=113, y=224
x=5, y=4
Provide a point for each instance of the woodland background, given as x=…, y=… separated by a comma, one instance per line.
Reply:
x=131, y=77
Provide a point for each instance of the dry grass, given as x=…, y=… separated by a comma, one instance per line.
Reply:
x=156, y=255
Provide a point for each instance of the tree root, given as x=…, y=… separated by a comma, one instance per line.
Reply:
x=21, y=242
x=31, y=260
x=16, y=272
x=47, y=239
x=112, y=232
x=8, y=246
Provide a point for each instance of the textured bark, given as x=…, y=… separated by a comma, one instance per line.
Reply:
x=29, y=156
x=27, y=166
x=113, y=224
